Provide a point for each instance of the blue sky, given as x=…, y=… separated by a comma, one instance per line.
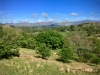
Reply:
x=23, y=11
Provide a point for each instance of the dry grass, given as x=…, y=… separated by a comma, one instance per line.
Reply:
x=30, y=64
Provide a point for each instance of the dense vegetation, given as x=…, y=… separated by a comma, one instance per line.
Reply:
x=52, y=39
x=76, y=42
x=9, y=42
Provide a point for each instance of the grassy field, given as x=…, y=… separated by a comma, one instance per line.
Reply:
x=29, y=63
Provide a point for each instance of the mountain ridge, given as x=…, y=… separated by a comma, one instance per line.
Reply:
x=51, y=24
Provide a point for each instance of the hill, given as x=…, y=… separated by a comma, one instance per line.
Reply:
x=67, y=50
x=29, y=63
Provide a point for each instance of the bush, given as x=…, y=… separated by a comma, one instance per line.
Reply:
x=66, y=54
x=7, y=51
x=85, y=57
x=9, y=42
x=1, y=31
x=52, y=39
x=96, y=60
x=31, y=44
x=43, y=51
x=24, y=43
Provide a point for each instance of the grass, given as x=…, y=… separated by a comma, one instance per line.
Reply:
x=29, y=64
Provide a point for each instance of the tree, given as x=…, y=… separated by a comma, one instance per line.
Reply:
x=66, y=54
x=52, y=39
x=9, y=43
x=96, y=43
x=31, y=43
x=1, y=31
x=43, y=50
x=72, y=28
x=5, y=51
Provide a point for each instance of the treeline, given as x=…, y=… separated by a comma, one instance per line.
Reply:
x=76, y=42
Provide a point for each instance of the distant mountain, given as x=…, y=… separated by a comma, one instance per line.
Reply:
x=51, y=24
x=2, y=24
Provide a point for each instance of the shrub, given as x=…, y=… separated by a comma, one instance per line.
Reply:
x=43, y=50
x=52, y=39
x=31, y=44
x=9, y=42
x=66, y=54
x=96, y=60
x=5, y=51
x=1, y=31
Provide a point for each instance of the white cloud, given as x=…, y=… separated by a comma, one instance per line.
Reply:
x=73, y=14
x=24, y=21
x=35, y=15
x=11, y=20
x=63, y=20
x=46, y=20
x=45, y=15
x=79, y=19
x=55, y=16
x=8, y=20
x=39, y=20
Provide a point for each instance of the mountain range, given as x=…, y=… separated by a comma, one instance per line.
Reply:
x=51, y=24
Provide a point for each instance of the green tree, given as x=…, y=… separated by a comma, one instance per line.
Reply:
x=96, y=43
x=5, y=51
x=96, y=60
x=31, y=43
x=9, y=42
x=1, y=31
x=52, y=39
x=66, y=54
x=72, y=28
x=43, y=50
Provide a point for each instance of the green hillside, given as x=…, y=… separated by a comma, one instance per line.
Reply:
x=64, y=50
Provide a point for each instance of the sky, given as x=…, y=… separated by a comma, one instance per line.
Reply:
x=32, y=11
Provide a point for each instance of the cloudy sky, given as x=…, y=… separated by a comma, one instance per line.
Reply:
x=31, y=11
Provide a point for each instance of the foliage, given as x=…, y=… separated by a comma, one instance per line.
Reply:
x=43, y=50
x=66, y=54
x=9, y=43
x=1, y=31
x=31, y=44
x=96, y=43
x=27, y=42
x=5, y=51
x=84, y=40
x=51, y=38
x=23, y=40
x=96, y=60
x=72, y=28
